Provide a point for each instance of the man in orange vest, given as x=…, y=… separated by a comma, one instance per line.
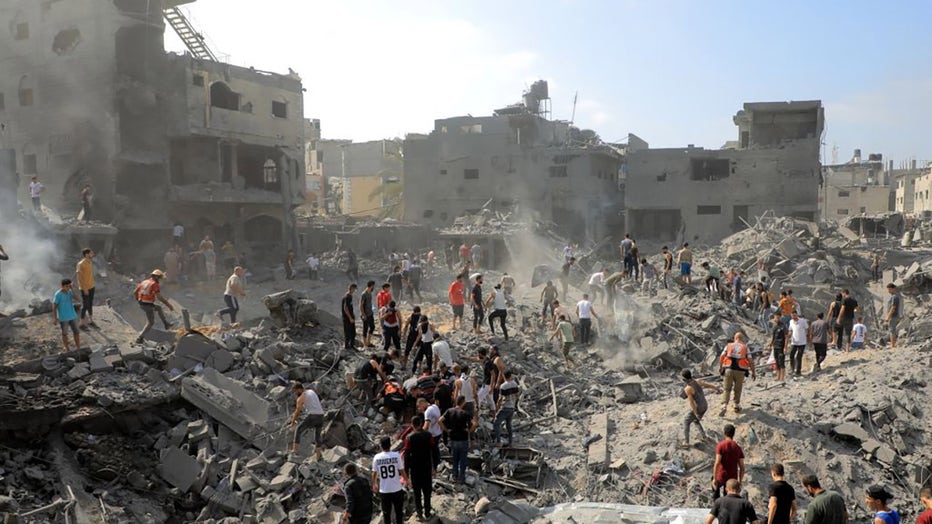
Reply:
x=146, y=293
x=735, y=364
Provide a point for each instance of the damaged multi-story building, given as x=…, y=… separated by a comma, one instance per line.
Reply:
x=91, y=96
x=857, y=187
x=697, y=194
x=518, y=159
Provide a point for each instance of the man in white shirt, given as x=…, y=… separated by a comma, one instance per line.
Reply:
x=313, y=266
x=442, y=353
x=597, y=285
x=388, y=473
x=35, y=192
x=585, y=312
x=859, y=334
x=432, y=425
x=308, y=405
x=800, y=336
x=233, y=291
x=178, y=233
x=501, y=309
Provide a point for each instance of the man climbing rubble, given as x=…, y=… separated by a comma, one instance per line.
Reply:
x=367, y=315
x=735, y=364
x=849, y=307
x=233, y=291
x=585, y=312
x=547, y=296
x=309, y=410
x=567, y=332
x=465, y=386
x=500, y=310
x=779, y=341
x=729, y=462
x=505, y=408
x=698, y=405
x=146, y=293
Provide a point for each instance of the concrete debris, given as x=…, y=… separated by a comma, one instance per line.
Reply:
x=290, y=309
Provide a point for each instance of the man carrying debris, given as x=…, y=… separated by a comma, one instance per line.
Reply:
x=894, y=306
x=358, y=494
x=729, y=462
x=419, y=463
x=567, y=332
x=64, y=315
x=698, y=405
x=597, y=285
x=826, y=507
x=735, y=363
x=84, y=274
x=585, y=311
x=366, y=314
x=732, y=508
x=388, y=473
x=565, y=274
x=349, y=318
x=685, y=260
x=781, y=508
x=311, y=413
x=500, y=311
x=146, y=293
x=800, y=337
x=457, y=423
x=475, y=299
x=457, y=301
x=849, y=306
x=233, y=291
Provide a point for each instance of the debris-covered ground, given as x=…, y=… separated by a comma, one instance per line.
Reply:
x=191, y=426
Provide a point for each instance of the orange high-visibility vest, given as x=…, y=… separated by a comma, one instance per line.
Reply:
x=735, y=351
x=147, y=290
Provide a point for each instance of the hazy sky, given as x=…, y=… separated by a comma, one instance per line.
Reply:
x=672, y=72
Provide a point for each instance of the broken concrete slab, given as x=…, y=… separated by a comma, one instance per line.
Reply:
x=161, y=336
x=290, y=308
x=80, y=370
x=179, y=468
x=851, y=431
x=98, y=363
x=631, y=389
x=597, y=454
x=230, y=403
x=190, y=350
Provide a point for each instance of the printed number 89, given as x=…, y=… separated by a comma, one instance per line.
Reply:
x=387, y=472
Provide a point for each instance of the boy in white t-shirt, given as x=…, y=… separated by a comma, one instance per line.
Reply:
x=388, y=472
x=858, y=334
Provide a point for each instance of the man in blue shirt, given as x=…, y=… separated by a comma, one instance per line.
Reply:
x=64, y=315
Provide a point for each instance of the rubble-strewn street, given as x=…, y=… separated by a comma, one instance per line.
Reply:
x=193, y=425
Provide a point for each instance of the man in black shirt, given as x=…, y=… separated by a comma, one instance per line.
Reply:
x=849, y=306
x=457, y=422
x=782, y=506
x=366, y=314
x=396, y=279
x=475, y=298
x=565, y=275
x=732, y=508
x=358, y=493
x=778, y=340
x=418, y=460
x=349, y=318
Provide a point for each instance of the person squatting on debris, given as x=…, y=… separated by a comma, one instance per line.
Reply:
x=735, y=365
x=781, y=506
x=729, y=462
x=388, y=473
x=419, y=464
x=358, y=494
x=698, y=405
x=826, y=507
x=500, y=310
x=349, y=318
x=146, y=293
x=64, y=315
x=732, y=508
x=308, y=409
x=876, y=499
x=233, y=291
x=84, y=274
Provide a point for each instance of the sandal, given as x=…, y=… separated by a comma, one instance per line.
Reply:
x=722, y=412
x=737, y=409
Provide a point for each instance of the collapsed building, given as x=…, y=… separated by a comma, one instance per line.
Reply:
x=696, y=194
x=160, y=137
x=857, y=187
x=516, y=159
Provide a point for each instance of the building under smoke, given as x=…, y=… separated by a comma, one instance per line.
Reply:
x=89, y=95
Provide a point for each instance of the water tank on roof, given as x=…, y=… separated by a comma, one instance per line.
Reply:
x=532, y=103
x=539, y=89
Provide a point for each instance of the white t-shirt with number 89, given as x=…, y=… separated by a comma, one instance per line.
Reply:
x=388, y=466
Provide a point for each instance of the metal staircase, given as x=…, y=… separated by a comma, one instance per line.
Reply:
x=191, y=38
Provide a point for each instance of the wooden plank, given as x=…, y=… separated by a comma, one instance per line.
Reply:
x=598, y=458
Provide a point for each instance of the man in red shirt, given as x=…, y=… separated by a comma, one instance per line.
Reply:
x=384, y=297
x=464, y=253
x=925, y=495
x=457, y=300
x=729, y=462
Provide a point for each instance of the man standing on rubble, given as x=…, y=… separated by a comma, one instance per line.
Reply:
x=800, y=337
x=667, y=265
x=778, y=344
x=732, y=508
x=358, y=494
x=388, y=473
x=232, y=293
x=625, y=249
x=547, y=296
x=819, y=331
x=396, y=280
x=597, y=285
x=698, y=405
x=567, y=332
x=505, y=408
x=410, y=329
x=352, y=266
x=781, y=508
x=307, y=406
x=565, y=275
x=458, y=423
x=685, y=260
x=146, y=293
x=849, y=306
x=313, y=267
x=475, y=254
x=84, y=274
x=391, y=325
x=508, y=286
x=3, y=256
x=826, y=507
x=64, y=315
x=894, y=306
x=475, y=299
x=366, y=314
x=457, y=299
x=418, y=460
x=729, y=462
x=500, y=311
x=735, y=363
x=585, y=311
x=349, y=318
